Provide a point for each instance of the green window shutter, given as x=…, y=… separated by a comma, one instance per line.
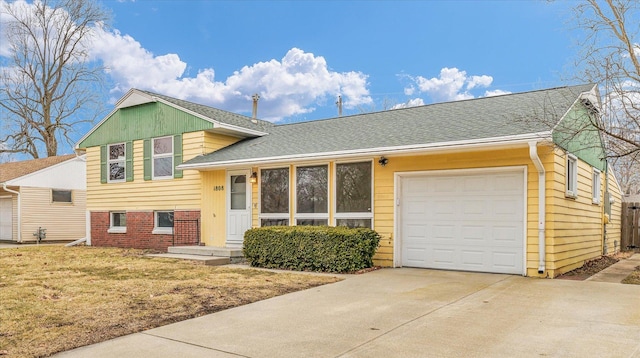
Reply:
x=177, y=155
x=129, y=157
x=147, y=159
x=103, y=164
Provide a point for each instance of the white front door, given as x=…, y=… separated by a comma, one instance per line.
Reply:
x=238, y=206
x=6, y=219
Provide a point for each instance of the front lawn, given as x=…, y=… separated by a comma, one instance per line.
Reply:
x=54, y=298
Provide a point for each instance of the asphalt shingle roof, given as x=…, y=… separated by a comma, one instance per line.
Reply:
x=219, y=115
x=13, y=170
x=476, y=119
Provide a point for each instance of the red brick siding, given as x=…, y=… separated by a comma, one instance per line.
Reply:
x=139, y=230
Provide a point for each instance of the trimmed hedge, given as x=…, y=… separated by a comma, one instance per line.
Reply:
x=311, y=248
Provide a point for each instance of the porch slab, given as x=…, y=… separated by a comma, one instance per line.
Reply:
x=234, y=255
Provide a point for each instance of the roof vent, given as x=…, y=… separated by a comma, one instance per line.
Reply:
x=254, y=114
x=339, y=104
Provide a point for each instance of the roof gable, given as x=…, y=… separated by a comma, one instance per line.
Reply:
x=142, y=114
x=14, y=170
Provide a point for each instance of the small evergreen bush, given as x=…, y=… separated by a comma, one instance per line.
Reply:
x=311, y=248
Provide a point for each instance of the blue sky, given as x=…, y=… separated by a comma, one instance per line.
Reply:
x=522, y=45
x=300, y=55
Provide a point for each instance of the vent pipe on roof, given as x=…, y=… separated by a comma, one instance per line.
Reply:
x=254, y=113
x=339, y=104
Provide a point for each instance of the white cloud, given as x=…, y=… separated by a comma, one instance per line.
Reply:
x=451, y=85
x=287, y=87
x=481, y=81
x=410, y=103
x=290, y=86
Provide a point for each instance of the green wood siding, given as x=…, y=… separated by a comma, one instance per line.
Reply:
x=577, y=135
x=148, y=120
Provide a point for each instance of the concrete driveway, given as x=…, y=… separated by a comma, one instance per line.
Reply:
x=409, y=313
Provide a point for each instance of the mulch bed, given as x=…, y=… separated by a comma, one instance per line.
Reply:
x=590, y=268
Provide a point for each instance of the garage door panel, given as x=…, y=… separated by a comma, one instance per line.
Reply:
x=444, y=257
x=473, y=258
x=473, y=184
x=471, y=222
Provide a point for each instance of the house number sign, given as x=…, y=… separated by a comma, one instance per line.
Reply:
x=218, y=188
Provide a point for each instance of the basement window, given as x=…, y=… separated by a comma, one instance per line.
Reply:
x=163, y=222
x=117, y=222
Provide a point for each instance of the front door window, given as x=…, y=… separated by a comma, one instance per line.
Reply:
x=238, y=192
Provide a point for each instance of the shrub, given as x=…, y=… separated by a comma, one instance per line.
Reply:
x=311, y=248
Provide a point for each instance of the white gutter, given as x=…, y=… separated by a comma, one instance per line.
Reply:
x=19, y=231
x=522, y=139
x=533, y=153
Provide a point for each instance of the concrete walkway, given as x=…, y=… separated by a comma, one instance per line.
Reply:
x=408, y=313
x=618, y=271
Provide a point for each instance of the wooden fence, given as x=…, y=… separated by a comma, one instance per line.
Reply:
x=630, y=226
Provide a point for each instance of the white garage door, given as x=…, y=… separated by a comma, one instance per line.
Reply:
x=471, y=221
x=5, y=219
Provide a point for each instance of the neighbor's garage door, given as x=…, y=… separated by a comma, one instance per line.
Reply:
x=5, y=219
x=471, y=221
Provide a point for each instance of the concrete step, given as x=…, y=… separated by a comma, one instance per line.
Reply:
x=235, y=255
x=207, y=260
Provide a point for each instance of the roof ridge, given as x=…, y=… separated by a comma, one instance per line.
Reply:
x=435, y=104
x=203, y=105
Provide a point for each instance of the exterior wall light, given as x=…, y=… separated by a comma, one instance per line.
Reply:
x=383, y=161
x=254, y=178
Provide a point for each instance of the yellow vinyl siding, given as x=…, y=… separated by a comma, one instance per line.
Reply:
x=63, y=221
x=574, y=225
x=614, y=227
x=171, y=194
x=384, y=190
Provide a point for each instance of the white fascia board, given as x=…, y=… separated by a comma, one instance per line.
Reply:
x=484, y=143
x=216, y=124
x=588, y=95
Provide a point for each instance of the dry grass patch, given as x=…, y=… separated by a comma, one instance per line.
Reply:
x=55, y=298
x=633, y=278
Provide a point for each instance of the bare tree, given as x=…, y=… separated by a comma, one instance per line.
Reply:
x=48, y=83
x=628, y=174
x=610, y=57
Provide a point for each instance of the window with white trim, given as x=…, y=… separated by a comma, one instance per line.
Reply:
x=162, y=163
x=274, y=197
x=572, y=176
x=61, y=196
x=117, y=222
x=312, y=199
x=596, y=184
x=116, y=161
x=354, y=194
x=163, y=222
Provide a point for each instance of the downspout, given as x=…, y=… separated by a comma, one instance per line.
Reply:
x=533, y=154
x=19, y=231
